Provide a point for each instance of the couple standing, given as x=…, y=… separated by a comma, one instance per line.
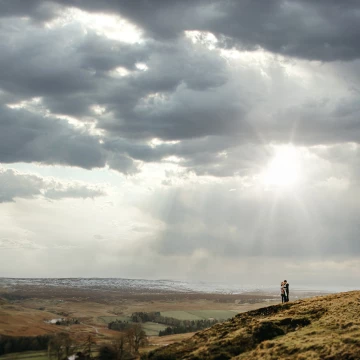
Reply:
x=284, y=290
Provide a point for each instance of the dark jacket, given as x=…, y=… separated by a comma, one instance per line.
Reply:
x=287, y=289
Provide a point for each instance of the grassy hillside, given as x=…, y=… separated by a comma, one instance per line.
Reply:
x=326, y=327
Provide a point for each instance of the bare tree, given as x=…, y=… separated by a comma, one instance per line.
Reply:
x=122, y=347
x=136, y=337
x=89, y=346
x=60, y=346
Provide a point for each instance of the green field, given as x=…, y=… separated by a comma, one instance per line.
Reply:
x=27, y=355
x=181, y=315
x=200, y=314
x=152, y=329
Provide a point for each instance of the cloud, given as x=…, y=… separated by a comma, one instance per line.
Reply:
x=28, y=137
x=344, y=159
x=310, y=30
x=322, y=121
x=322, y=30
x=36, y=9
x=206, y=104
x=13, y=184
x=17, y=185
x=73, y=191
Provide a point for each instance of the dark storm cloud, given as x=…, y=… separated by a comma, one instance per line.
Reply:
x=190, y=116
x=175, y=99
x=101, y=54
x=316, y=30
x=39, y=65
x=16, y=185
x=69, y=72
x=25, y=137
x=39, y=10
x=58, y=63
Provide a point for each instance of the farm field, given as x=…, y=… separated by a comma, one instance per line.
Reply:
x=24, y=318
x=200, y=314
x=152, y=329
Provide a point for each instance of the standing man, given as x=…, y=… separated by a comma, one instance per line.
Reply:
x=286, y=291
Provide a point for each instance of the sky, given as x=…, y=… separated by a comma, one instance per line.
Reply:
x=192, y=140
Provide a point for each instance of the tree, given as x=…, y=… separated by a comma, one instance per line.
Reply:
x=136, y=337
x=118, y=350
x=107, y=352
x=122, y=347
x=88, y=346
x=61, y=345
x=7, y=347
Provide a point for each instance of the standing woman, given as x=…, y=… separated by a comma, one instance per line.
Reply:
x=282, y=292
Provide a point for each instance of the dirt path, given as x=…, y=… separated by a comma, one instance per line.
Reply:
x=92, y=326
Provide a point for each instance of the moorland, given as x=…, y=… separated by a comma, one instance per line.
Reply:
x=32, y=310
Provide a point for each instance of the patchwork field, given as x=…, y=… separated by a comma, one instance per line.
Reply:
x=26, y=311
x=200, y=314
x=152, y=328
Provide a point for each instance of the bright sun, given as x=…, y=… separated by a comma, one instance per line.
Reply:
x=283, y=170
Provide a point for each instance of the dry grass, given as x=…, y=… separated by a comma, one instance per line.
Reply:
x=21, y=315
x=15, y=320
x=325, y=327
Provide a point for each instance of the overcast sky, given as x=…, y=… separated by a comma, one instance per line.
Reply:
x=195, y=140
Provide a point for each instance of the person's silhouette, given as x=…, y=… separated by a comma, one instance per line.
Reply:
x=286, y=291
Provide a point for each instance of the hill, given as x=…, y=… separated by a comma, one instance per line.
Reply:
x=326, y=327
